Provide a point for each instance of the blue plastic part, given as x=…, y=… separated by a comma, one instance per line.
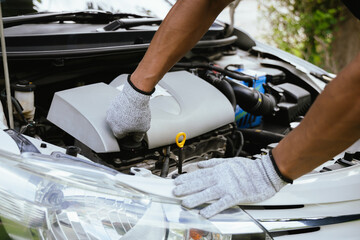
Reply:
x=242, y=118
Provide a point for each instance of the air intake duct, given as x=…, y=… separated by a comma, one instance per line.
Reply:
x=253, y=101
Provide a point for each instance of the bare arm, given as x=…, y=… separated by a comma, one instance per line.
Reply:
x=129, y=113
x=182, y=28
x=331, y=125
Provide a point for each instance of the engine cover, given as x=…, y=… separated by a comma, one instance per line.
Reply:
x=182, y=102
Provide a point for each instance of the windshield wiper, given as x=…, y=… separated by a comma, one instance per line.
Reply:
x=80, y=16
x=128, y=23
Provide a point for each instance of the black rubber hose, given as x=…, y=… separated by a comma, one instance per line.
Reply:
x=261, y=136
x=166, y=163
x=222, y=86
x=249, y=99
x=17, y=106
x=253, y=101
x=241, y=143
x=165, y=168
x=231, y=74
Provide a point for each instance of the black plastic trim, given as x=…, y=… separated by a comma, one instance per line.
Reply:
x=270, y=207
x=107, y=50
x=294, y=231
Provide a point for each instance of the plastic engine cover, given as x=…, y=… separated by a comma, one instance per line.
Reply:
x=182, y=102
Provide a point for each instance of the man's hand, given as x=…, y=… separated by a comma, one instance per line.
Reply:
x=129, y=113
x=228, y=182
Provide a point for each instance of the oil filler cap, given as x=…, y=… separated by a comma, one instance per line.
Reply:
x=128, y=144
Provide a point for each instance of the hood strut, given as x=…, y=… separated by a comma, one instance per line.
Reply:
x=6, y=71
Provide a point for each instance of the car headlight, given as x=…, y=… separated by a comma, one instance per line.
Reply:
x=63, y=197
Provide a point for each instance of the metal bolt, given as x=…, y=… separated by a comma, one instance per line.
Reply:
x=117, y=160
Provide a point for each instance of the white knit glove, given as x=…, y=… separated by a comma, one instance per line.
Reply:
x=228, y=182
x=129, y=113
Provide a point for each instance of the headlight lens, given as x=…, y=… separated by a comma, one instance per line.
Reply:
x=61, y=197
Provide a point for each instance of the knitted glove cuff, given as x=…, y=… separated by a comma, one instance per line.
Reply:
x=278, y=170
x=132, y=98
x=139, y=90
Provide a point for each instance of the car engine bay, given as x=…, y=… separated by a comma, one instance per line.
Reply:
x=231, y=95
x=225, y=109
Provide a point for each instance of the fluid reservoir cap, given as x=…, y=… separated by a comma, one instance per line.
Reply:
x=127, y=143
x=73, y=150
x=24, y=86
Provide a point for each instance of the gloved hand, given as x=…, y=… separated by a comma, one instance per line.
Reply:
x=229, y=182
x=129, y=113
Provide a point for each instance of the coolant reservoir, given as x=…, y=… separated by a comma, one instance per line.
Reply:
x=24, y=93
x=3, y=122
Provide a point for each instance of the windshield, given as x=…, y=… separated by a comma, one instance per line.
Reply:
x=154, y=8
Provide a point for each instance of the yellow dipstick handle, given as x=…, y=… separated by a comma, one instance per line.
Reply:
x=180, y=144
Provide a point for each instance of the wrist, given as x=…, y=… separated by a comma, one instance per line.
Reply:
x=138, y=89
x=277, y=169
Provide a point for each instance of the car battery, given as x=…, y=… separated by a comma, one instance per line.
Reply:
x=244, y=119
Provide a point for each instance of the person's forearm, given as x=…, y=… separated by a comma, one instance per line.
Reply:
x=331, y=125
x=182, y=28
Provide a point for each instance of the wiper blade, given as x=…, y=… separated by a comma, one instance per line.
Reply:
x=18, y=20
x=80, y=16
x=128, y=23
x=323, y=77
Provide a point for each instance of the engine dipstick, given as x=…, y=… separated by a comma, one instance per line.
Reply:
x=180, y=145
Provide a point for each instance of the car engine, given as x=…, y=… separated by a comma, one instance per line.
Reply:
x=224, y=112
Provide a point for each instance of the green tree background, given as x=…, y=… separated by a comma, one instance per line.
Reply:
x=323, y=32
